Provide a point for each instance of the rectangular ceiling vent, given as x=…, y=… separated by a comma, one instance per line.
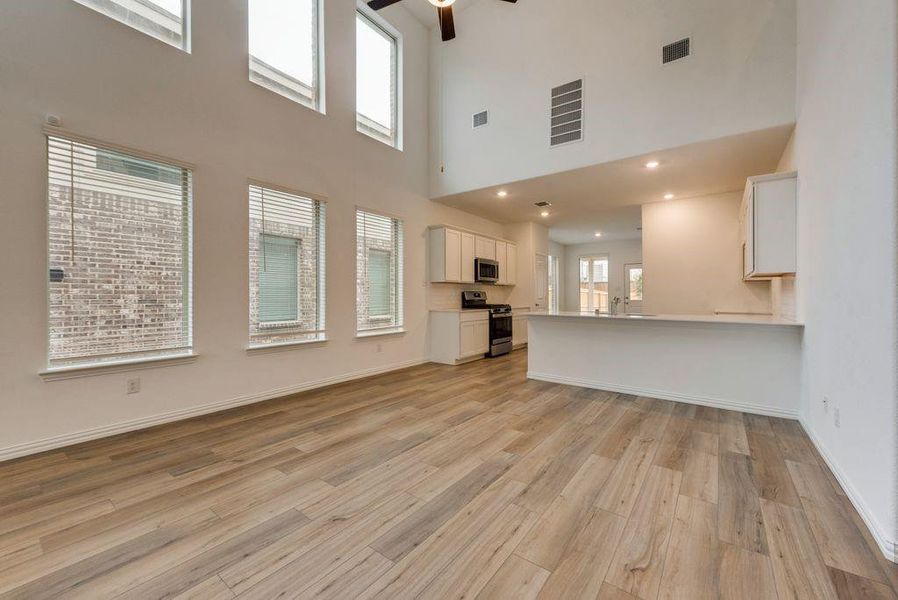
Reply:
x=481, y=119
x=567, y=114
x=675, y=51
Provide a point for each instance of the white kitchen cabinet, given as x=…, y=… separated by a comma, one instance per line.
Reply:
x=474, y=338
x=459, y=336
x=445, y=255
x=518, y=331
x=511, y=264
x=485, y=248
x=453, y=250
x=467, y=257
x=769, y=218
x=502, y=259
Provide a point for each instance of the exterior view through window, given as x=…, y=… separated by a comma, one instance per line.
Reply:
x=553, y=283
x=119, y=255
x=165, y=20
x=379, y=272
x=594, y=284
x=286, y=267
x=377, y=87
x=284, y=48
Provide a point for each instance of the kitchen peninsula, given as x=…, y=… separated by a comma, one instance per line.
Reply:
x=746, y=363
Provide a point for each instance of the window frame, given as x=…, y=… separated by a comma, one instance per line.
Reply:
x=319, y=334
x=591, y=283
x=317, y=100
x=130, y=360
x=379, y=24
x=184, y=46
x=397, y=224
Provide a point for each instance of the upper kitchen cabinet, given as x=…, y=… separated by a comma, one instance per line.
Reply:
x=453, y=250
x=485, y=248
x=769, y=226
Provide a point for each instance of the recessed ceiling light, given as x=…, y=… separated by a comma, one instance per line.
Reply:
x=668, y=196
x=442, y=3
x=501, y=193
x=545, y=213
x=598, y=234
x=652, y=164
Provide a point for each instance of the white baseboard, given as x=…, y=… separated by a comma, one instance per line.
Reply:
x=887, y=545
x=663, y=395
x=87, y=435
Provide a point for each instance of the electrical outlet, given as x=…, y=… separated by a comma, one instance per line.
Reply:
x=134, y=386
x=825, y=404
x=837, y=418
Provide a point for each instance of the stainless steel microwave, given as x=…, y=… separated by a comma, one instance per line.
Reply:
x=486, y=271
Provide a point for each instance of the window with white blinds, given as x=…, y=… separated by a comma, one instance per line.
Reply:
x=377, y=84
x=284, y=48
x=286, y=267
x=379, y=297
x=120, y=255
x=166, y=20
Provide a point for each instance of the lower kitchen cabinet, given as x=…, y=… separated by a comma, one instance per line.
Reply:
x=462, y=336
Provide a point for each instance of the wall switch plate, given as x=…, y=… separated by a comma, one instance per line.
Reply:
x=380, y=348
x=134, y=386
x=837, y=418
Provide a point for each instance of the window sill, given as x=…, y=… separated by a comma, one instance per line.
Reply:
x=121, y=366
x=281, y=346
x=360, y=335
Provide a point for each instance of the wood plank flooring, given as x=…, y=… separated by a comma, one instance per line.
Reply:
x=440, y=482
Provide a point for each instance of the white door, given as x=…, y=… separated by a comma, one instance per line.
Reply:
x=541, y=282
x=633, y=288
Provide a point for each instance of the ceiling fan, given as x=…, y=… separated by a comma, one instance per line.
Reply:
x=444, y=12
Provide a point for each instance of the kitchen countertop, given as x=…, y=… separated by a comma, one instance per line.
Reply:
x=458, y=310
x=726, y=319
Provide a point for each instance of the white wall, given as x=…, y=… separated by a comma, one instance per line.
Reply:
x=508, y=57
x=531, y=239
x=845, y=153
x=619, y=252
x=692, y=258
x=111, y=82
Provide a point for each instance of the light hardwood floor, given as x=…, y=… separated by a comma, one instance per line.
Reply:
x=440, y=482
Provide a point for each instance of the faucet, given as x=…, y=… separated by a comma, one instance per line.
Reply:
x=612, y=306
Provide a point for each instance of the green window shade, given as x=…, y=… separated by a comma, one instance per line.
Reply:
x=379, y=283
x=278, y=284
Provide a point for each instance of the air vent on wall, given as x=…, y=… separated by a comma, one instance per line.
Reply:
x=481, y=119
x=675, y=51
x=567, y=113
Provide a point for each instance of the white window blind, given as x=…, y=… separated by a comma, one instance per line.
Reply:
x=379, y=251
x=377, y=86
x=166, y=20
x=119, y=255
x=286, y=264
x=284, y=43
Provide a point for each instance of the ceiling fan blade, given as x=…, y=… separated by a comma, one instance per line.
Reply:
x=447, y=23
x=379, y=4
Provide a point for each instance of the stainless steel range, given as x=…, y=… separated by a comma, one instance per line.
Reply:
x=501, y=319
